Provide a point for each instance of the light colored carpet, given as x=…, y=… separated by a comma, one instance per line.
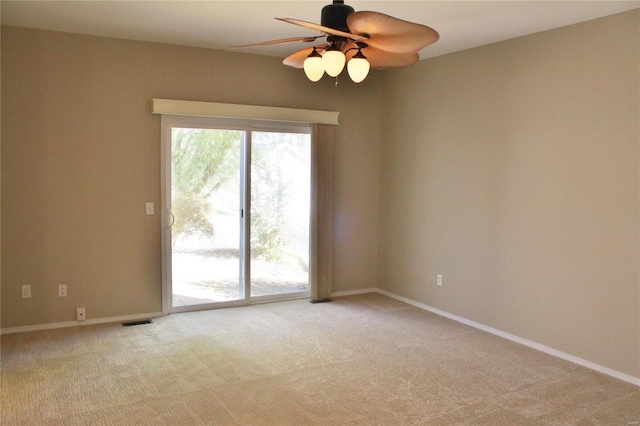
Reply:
x=361, y=360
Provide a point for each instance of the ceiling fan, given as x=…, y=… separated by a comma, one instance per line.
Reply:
x=362, y=40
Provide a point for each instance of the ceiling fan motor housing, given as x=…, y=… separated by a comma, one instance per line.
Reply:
x=335, y=15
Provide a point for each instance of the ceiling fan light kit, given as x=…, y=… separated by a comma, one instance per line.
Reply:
x=358, y=67
x=387, y=42
x=333, y=60
x=313, y=66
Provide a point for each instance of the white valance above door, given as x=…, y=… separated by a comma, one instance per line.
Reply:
x=252, y=112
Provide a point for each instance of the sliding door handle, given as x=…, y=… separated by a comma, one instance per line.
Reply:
x=171, y=217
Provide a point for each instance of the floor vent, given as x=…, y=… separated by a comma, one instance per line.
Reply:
x=130, y=323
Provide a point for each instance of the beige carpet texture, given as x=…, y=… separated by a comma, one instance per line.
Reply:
x=360, y=360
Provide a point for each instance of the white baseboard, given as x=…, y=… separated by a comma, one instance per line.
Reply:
x=54, y=325
x=562, y=355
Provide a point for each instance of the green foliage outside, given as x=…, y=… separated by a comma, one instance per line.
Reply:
x=268, y=198
x=278, y=159
x=203, y=160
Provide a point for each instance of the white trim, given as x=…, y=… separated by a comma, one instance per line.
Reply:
x=54, y=325
x=260, y=300
x=275, y=298
x=212, y=109
x=550, y=351
x=354, y=292
x=165, y=211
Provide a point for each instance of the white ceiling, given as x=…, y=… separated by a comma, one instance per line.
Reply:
x=222, y=24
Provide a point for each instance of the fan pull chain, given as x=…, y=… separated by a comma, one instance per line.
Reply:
x=337, y=82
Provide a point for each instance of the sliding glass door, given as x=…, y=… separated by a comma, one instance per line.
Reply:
x=237, y=213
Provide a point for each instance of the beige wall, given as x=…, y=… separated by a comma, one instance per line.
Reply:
x=513, y=171
x=81, y=156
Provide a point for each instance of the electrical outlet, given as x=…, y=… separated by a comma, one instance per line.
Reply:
x=439, y=280
x=81, y=314
x=62, y=290
x=26, y=291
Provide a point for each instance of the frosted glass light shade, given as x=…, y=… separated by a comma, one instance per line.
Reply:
x=333, y=61
x=314, y=67
x=358, y=69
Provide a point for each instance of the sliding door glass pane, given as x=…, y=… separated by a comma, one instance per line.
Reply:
x=205, y=202
x=280, y=203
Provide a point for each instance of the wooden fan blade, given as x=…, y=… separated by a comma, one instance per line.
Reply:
x=321, y=28
x=296, y=60
x=379, y=58
x=280, y=41
x=391, y=34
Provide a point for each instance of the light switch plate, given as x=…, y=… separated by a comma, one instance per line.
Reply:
x=149, y=207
